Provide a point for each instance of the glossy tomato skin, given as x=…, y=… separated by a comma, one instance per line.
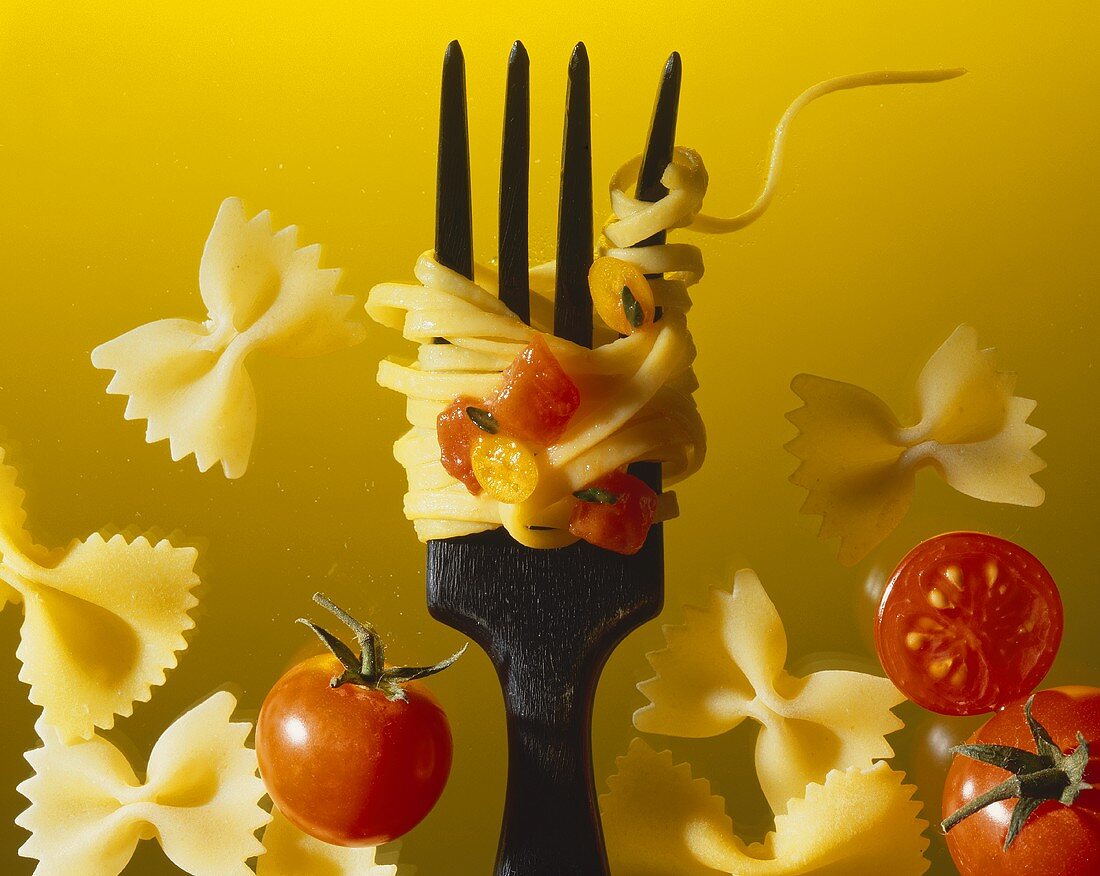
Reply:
x=456, y=434
x=1056, y=840
x=346, y=765
x=537, y=398
x=623, y=526
x=967, y=623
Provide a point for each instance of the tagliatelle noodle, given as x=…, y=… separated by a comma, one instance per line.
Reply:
x=859, y=463
x=659, y=821
x=726, y=664
x=200, y=799
x=636, y=391
x=188, y=379
x=290, y=852
x=103, y=618
x=635, y=404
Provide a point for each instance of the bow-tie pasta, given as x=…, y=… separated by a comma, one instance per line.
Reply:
x=290, y=852
x=726, y=663
x=200, y=799
x=188, y=379
x=859, y=463
x=658, y=821
x=102, y=618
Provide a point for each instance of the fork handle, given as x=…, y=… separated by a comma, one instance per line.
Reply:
x=551, y=826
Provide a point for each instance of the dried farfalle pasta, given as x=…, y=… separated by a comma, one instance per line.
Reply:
x=200, y=799
x=859, y=463
x=658, y=821
x=290, y=852
x=102, y=618
x=188, y=379
x=726, y=663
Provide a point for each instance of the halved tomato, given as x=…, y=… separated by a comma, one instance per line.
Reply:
x=968, y=622
x=621, y=295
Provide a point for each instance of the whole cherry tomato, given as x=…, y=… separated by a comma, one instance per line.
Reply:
x=967, y=623
x=353, y=753
x=1052, y=839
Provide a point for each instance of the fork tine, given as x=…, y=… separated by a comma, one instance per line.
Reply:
x=572, y=300
x=453, y=222
x=662, y=137
x=514, y=183
x=658, y=153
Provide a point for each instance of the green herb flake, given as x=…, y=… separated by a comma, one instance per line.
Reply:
x=597, y=496
x=635, y=315
x=483, y=419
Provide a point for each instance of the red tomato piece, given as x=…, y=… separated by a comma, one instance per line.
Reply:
x=1055, y=840
x=538, y=399
x=619, y=517
x=347, y=765
x=967, y=623
x=457, y=433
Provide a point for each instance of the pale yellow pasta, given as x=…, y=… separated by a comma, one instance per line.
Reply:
x=636, y=403
x=290, y=852
x=103, y=618
x=636, y=392
x=200, y=799
x=659, y=821
x=726, y=664
x=188, y=379
x=859, y=463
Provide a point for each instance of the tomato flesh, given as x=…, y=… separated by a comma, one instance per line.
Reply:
x=608, y=279
x=1056, y=840
x=346, y=765
x=622, y=526
x=506, y=470
x=537, y=399
x=457, y=434
x=967, y=623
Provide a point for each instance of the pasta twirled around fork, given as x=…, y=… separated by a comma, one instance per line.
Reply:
x=103, y=618
x=636, y=392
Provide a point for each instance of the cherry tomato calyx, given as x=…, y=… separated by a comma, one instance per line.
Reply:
x=1045, y=774
x=368, y=669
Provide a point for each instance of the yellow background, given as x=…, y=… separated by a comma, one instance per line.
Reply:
x=902, y=212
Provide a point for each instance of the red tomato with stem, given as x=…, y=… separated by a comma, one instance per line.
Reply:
x=615, y=513
x=967, y=623
x=1053, y=839
x=537, y=399
x=352, y=752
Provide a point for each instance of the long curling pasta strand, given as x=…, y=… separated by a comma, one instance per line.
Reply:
x=716, y=225
x=636, y=391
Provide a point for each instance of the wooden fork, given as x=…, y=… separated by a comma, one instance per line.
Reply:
x=548, y=619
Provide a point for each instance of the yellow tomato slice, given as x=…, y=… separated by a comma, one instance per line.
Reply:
x=506, y=470
x=621, y=295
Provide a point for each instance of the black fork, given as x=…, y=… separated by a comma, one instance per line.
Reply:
x=548, y=619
